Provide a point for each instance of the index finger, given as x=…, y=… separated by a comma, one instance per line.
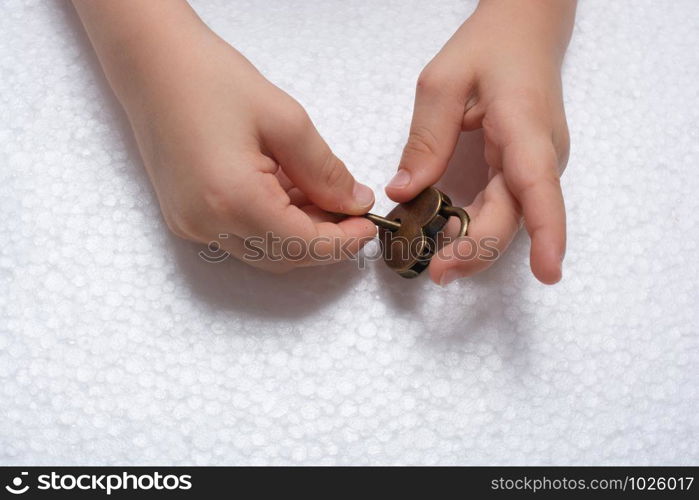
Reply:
x=312, y=235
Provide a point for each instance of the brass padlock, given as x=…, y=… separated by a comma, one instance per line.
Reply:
x=409, y=233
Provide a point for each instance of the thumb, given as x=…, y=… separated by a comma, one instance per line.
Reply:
x=434, y=131
x=313, y=168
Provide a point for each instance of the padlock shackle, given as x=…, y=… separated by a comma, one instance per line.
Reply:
x=450, y=210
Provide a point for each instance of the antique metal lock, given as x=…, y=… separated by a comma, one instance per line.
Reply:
x=409, y=233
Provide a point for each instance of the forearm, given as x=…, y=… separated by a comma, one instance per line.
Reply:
x=137, y=40
x=545, y=24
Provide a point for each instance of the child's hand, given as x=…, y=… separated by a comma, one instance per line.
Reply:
x=501, y=72
x=213, y=138
x=228, y=152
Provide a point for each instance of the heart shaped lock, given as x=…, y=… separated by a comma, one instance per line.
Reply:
x=409, y=233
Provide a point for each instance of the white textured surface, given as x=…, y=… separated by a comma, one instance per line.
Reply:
x=119, y=345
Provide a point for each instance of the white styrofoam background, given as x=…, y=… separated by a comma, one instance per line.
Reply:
x=119, y=345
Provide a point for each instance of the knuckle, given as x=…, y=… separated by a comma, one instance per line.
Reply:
x=534, y=185
x=527, y=98
x=538, y=156
x=220, y=203
x=421, y=140
x=261, y=163
x=435, y=80
x=294, y=116
x=432, y=78
x=333, y=173
x=549, y=182
x=429, y=79
x=550, y=161
x=532, y=167
x=553, y=180
x=516, y=104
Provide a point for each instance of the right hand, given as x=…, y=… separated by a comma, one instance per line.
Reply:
x=499, y=72
x=230, y=153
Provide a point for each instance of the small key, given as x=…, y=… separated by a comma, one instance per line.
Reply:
x=408, y=234
x=383, y=222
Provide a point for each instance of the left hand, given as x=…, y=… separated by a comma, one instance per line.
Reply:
x=502, y=75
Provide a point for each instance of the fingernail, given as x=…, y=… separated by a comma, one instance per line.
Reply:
x=363, y=195
x=449, y=276
x=400, y=180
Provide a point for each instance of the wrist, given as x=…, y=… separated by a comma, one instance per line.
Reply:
x=147, y=67
x=539, y=27
x=137, y=42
